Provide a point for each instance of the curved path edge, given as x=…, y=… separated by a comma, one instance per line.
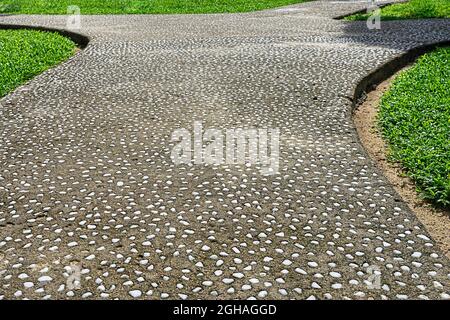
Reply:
x=367, y=98
x=153, y=82
x=380, y=74
x=80, y=39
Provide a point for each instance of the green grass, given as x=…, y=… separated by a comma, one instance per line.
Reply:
x=26, y=53
x=139, y=6
x=414, y=9
x=415, y=120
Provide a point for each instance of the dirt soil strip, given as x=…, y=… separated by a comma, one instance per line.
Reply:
x=435, y=220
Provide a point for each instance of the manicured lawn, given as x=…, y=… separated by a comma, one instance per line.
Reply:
x=140, y=6
x=26, y=53
x=415, y=119
x=414, y=9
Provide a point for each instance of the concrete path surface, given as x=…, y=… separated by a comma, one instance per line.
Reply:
x=92, y=206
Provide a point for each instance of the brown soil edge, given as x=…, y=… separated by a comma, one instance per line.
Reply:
x=81, y=40
x=436, y=220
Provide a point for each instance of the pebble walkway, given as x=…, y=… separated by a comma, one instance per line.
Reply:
x=87, y=182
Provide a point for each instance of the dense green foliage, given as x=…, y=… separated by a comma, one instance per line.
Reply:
x=415, y=120
x=139, y=6
x=26, y=53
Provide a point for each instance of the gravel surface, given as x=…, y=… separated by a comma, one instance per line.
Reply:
x=91, y=205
